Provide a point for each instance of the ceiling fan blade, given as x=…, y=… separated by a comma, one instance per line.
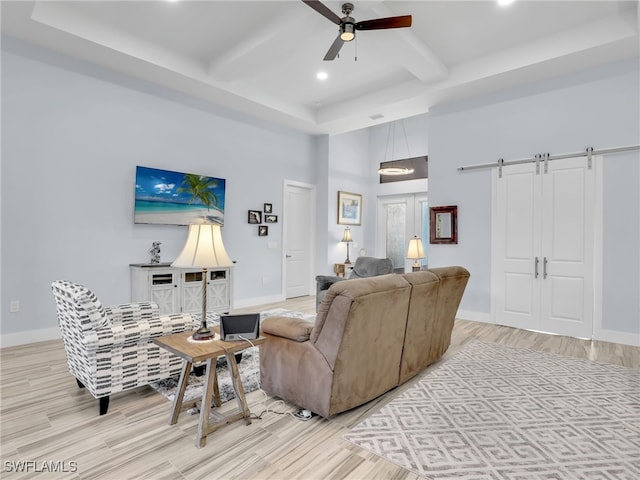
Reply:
x=381, y=23
x=323, y=10
x=332, y=53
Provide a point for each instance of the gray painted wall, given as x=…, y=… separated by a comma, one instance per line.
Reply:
x=72, y=135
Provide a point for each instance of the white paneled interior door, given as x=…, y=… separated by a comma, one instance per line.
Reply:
x=298, y=224
x=543, y=247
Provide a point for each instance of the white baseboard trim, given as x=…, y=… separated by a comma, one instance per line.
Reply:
x=474, y=316
x=29, y=336
x=250, y=302
x=615, y=336
x=604, y=335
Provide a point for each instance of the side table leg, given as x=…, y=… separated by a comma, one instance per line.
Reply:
x=182, y=387
x=205, y=407
x=216, y=389
x=239, y=389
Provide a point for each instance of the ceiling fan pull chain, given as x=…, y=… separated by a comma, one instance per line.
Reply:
x=356, y=57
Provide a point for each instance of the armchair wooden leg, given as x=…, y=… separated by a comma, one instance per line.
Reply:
x=104, y=405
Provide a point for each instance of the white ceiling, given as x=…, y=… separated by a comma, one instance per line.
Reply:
x=261, y=57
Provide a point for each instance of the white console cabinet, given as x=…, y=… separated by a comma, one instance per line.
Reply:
x=180, y=289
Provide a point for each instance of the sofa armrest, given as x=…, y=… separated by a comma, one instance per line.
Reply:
x=323, y=282
x=295, y=329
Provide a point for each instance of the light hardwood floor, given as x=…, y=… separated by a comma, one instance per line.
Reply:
x=47, y=419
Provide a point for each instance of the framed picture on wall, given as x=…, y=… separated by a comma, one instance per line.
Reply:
x=263, y=230
x=254, y=216
x=349, y=208
x=443, y=224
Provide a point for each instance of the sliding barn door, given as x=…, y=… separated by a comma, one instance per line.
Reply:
x=568, y=217
x=516, y=241
x=543, y=233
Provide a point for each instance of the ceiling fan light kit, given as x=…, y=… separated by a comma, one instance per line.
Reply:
x=348, y=25
x=347, y=32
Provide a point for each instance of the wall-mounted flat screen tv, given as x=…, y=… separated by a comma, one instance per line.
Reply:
x=173, y=198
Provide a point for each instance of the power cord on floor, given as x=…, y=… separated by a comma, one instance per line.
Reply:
x=269, y=407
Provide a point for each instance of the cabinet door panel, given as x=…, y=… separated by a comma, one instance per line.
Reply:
x=218, y=299
x=166, y=298
x=192, y=297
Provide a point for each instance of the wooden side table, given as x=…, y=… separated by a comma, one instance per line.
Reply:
x=341, y=269
x=192, y=352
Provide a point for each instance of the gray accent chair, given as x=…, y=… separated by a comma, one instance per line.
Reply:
x=364, y=267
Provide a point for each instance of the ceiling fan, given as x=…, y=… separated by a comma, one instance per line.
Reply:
x=348, y=24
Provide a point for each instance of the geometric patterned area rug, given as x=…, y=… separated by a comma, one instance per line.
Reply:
x=249, y=368
x=498, y=412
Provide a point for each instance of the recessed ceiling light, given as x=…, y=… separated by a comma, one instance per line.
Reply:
x=322, y=75
x=504, y=3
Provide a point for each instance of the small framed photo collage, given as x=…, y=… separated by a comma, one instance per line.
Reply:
x=265, y=216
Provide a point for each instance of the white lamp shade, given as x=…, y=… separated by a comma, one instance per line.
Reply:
x=415, y=249
x=346, y=236
x=204, y=249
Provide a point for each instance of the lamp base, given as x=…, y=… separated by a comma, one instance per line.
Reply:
x=416, y=267
x=347, y=261
x=203, y=333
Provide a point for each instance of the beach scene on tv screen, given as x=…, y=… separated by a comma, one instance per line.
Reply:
x=173, y=198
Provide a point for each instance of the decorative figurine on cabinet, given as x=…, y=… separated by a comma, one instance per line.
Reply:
x=155, y=252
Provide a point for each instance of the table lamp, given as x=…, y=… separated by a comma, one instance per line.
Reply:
x=346, y=237
x=204, y=249
x=415, y=252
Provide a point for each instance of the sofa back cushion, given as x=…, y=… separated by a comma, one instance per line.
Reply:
x=435, y=298
x=421, y=323
x=453, y=281
x=360, y=330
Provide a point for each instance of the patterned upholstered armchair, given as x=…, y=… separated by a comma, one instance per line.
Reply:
x=109, y=349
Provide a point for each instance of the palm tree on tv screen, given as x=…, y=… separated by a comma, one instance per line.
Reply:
x=200, y=188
